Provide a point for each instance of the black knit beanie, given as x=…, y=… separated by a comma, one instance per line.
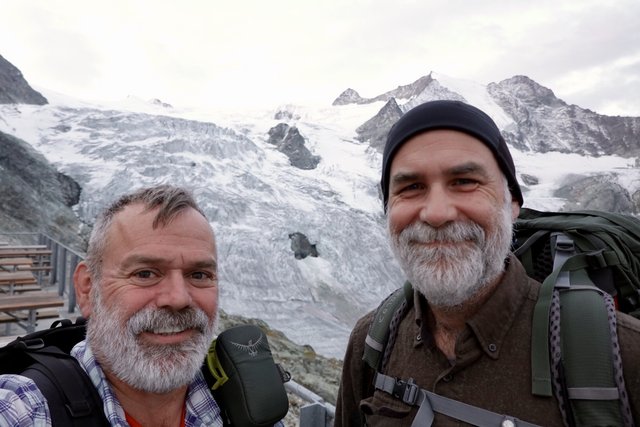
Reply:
x=454, y=115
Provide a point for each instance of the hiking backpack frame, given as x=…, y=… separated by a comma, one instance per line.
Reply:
x=589, y=265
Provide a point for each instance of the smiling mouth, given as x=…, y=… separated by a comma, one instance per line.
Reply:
x=440, y=242
x=168, y=331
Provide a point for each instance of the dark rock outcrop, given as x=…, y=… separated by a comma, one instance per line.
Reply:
x=527, y=179
x=291, y=143
x=375, y=129
x=284, y=114
x=35, y=196
x=599, y=192
x=14, y=89
x=301, y=246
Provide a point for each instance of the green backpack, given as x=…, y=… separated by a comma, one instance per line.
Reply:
x=589, y=265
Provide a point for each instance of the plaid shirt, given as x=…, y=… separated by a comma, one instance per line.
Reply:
x=22, y=403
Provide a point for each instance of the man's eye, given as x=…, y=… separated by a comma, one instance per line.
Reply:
x=465, y=181
x=203, y=278
x=411, y=187
x=144, y=274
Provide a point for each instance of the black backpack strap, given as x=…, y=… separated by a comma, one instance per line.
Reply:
x=71, y=396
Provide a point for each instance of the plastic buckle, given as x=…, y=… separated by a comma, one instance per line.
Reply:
x=407, y=391
x=564, y=243
x=31, y=344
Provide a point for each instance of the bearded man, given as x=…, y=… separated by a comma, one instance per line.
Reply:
x=451, y=196
x=149, y=288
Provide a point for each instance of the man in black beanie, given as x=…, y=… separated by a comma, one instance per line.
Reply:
x=463, y=330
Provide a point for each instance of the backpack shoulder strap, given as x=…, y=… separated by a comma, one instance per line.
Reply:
x=574, y=338
x=71, y=396
x=378, y=334
x=43, y=356
x=429, y=403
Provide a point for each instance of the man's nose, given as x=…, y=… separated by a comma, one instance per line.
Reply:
x=438, y=208
x=173, y=291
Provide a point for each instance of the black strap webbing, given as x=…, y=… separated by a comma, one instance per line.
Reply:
x=71, y=396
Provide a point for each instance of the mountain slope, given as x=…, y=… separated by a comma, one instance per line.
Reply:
x=14, y=89
x=35, y=196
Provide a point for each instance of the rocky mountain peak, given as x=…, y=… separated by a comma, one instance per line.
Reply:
x=349, y=96
x=407, y=91
x=530, y=92
x=14, y=89
x=412, y=90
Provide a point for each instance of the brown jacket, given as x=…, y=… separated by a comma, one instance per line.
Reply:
x=492, y=369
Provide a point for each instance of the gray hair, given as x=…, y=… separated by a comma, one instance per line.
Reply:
x=170, y=200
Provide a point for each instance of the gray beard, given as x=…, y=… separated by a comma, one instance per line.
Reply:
x=449, y=275
x=118, y=347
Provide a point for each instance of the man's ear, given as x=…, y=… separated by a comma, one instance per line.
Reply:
x=82, y=283
x=515, y=210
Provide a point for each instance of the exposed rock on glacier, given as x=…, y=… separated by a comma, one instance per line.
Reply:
x=301, y=246
x=291, y=143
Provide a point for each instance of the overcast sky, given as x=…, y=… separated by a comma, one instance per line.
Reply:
x=269, y=52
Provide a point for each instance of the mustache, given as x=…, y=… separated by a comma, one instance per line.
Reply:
x=164, y=320
x=419, y=232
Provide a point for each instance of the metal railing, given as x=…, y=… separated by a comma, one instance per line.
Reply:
x=63, y=263
x=318, y=412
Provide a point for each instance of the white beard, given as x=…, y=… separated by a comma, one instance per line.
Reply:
x=117, y=345
x=452, y=273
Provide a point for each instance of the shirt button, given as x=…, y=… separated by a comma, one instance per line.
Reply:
x=492, y=349
x=508, y=423
x=447, y=378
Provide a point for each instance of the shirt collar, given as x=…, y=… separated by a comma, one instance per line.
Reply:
x=202, y=409
x=494, y=319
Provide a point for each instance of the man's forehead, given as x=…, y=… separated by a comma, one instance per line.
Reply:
x=141, y=217
x=460, y=144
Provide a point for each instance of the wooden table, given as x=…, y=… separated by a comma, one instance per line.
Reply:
x=13, y=304
x=14, y=279
x=12, y=262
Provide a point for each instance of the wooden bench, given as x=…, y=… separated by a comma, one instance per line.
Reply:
x=12, y=251
x=36, y=268
x=25, y=247
x=29, y=305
